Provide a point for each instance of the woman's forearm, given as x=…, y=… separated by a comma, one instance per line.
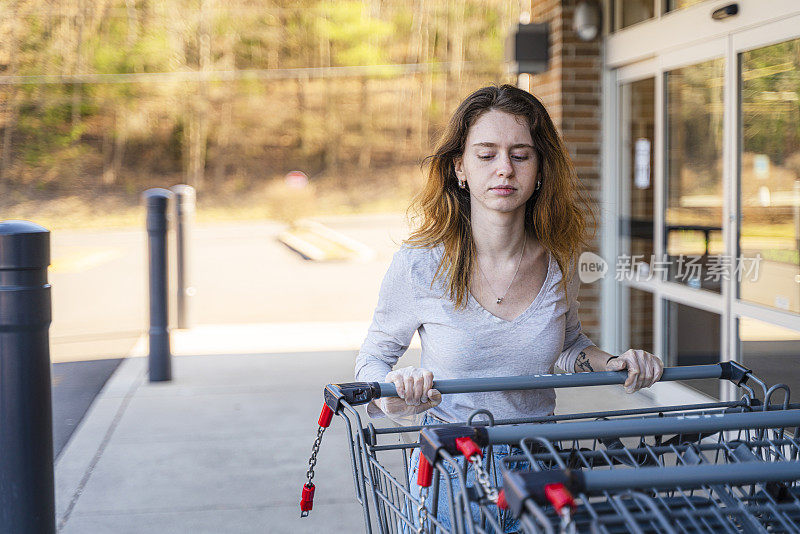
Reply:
x=644, y=369
x=591, y=359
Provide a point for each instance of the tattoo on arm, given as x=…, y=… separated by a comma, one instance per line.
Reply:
x=582, y=363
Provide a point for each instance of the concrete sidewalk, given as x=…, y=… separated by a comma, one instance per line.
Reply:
x=223, y=448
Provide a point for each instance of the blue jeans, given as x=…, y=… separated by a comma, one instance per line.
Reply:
x=506, y=520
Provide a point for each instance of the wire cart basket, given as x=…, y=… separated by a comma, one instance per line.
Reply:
x=721, y=472
x=403, y=487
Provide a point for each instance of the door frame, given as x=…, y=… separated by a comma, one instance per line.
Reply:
x=650, y=49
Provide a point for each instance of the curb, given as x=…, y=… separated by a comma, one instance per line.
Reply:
x=86, y=446
x=317, y=242
x=307, y=250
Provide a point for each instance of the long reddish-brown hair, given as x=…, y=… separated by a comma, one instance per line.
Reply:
x=555, y=214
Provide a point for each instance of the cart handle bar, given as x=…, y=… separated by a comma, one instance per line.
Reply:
x=356, y=393
x=613, y=428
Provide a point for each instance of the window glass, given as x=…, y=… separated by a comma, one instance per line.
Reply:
x=641, y=334
x=692, y=337
x=693, y=178
x=675, y=5
x=769, y=173
x=636, y=189
x=630, y=12
x=771, y=352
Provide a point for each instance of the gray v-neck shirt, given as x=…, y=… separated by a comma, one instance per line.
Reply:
x=471, y=342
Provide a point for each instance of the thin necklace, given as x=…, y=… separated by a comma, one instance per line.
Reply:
x=519, y=262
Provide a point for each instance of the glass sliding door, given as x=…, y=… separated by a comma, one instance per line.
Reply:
x=768, y=212
x=769, y=160
x=693, y=177
x=708, y=171
x=636, y=219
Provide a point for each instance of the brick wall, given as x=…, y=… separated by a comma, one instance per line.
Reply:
x=571, y=91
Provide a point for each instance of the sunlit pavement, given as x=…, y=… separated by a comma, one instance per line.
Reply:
x=224, y=446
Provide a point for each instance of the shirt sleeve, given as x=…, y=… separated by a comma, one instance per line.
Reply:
x=574, y=339
x=393, y=323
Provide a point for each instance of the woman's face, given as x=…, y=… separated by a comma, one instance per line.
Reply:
x=499, y=163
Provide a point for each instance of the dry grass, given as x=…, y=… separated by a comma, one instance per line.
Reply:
x=345, y=192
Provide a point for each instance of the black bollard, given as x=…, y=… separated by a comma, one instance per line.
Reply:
x=160, y=359
x=27, y=489
x=184, y=216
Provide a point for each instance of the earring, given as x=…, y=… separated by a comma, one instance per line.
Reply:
x=462, y=184
x=538, y=184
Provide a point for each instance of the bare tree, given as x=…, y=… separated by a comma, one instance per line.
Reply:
x=198, y=117
x=365, y=150
x=133, y=22
x=78, y=66
x=225, y=101
x=11, y=104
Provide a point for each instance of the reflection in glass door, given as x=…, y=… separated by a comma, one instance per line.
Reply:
x=636, y=187
x=771, y=351
x=693, y=337
x=769, y=231
x=693, y=180
x=636, y=219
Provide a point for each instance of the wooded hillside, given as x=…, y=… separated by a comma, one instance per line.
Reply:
x=113, y=96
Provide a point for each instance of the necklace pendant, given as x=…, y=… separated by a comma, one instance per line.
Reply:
x=499, y=300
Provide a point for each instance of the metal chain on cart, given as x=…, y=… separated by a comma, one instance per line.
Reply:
x=307, y=495
x=422, y=512
x=314, y=451
x=482, y=476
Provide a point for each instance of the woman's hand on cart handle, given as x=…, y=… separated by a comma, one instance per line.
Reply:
x=644, y=369
x=415, y=392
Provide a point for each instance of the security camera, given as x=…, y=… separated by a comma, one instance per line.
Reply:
x=586, y=22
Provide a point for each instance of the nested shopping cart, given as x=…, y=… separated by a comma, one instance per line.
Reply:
x=393, y=501
x=716, y=472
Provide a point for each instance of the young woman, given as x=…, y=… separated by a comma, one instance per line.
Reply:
x=488, y=278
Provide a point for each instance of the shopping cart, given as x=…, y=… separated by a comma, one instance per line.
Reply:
x=380, y=461
x=715, y=472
